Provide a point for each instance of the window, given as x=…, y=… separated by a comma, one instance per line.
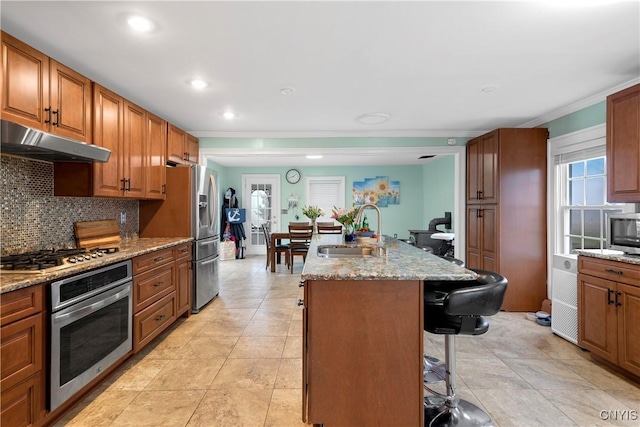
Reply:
x=582, y=203
x=326, y=192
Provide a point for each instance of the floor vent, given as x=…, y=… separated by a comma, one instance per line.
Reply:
x=564, y=307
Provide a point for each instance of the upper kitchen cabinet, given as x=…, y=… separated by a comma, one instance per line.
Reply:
x=137, y=143
x=623, y=146
x=43, y=94
x=182, y=148
x=482, y=168
x=506, y=211
x=156, y=158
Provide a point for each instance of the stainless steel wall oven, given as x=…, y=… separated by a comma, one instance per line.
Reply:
x=91, y=315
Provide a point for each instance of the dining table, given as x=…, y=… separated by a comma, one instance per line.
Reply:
x=276, y=238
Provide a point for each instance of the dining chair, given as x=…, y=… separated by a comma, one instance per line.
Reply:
x=279, y=249
x=299, y=240
x=299, y=223
x=329, y=228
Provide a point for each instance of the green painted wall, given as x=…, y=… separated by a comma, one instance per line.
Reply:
x=587, y=117
x=438, y=183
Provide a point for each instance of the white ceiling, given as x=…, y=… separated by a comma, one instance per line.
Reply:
x=423, y=63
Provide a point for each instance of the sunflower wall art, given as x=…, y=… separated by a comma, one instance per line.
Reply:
x=379, y=190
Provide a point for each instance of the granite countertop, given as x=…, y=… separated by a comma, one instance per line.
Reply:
x=611, y=255
x=403, y=262
x=13, y=281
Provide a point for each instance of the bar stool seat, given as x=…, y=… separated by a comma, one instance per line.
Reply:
x=460, y=311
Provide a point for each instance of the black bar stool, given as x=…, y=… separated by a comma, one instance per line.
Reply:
x=452, y=308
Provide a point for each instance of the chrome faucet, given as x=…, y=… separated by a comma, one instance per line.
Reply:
x=359, y=214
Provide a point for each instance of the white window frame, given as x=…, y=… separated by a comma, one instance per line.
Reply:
x=340, y=197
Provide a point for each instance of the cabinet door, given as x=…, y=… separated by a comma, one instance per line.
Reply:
x=70, y=98
x=629, y=328
x=474, y=165
x=489, y=169
x=156, y=157
x=25, y=84
x=22, y=405
x=108, y=133
x=192, y=149
x=183, y=285
x=623, y=146
x=597, y=323
x=133, y=152
x=474, y=234
x=21, y=350
x=482, y=238
x=176, y=143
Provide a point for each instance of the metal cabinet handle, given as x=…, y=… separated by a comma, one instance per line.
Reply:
x=301, y=284
x=480, y=194
x=618, y=272
x=158, y=259
x=609, y=299
x=164, y=188
x=300, y=302
x=479, y=213
x=618, y=303
x=186, y=155
x=160, y=283
x=159, y=318
x=57, y=122
x=48, y=110
x=124, y=184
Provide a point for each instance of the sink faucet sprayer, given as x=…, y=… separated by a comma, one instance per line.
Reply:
x=359, y=214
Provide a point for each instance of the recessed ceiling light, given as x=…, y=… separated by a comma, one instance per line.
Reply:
x=198, y=83
x=287, y=90
x=314, y=156
x=229, y=115
x=140, y=24
x=489, y=88
x=373, y=118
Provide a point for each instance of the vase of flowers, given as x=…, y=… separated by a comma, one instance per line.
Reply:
x=347, y=219
x=313, y=213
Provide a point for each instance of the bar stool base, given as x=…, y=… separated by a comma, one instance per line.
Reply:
x=465, y=414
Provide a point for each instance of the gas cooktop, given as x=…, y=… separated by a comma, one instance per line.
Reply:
x=48, y=260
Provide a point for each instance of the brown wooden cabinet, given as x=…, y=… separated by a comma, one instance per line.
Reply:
x=362, y=339
x=41, y=93
x=156, y=158
x=22, y=349
x=182, y=148
x=609, y=311
x=134, y=169
x=506, y=212
x=182, y=254
x=623, y=146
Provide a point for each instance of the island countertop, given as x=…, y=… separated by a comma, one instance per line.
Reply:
x=610, y=255
x=14, y=281
x=402, y=262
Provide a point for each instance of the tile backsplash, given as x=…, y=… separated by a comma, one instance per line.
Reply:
x=33, y=218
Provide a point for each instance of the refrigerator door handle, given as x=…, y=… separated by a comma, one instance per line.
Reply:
x=210, y=261
x=214, y=202
x=212, y=242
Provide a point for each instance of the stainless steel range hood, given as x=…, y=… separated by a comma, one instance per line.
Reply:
x=25, y=142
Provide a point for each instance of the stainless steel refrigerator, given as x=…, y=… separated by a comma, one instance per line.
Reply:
x=189, y=210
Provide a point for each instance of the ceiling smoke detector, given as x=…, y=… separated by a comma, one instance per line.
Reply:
x=373, y=118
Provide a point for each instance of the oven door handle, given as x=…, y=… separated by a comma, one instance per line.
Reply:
x=82, y=312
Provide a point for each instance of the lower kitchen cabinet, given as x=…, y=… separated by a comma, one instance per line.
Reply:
x=151, y=321
x=22, y=347
x=362, y=352
x=182, y=254
x=609, y=311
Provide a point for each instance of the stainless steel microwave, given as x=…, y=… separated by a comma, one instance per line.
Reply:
x=623, y=233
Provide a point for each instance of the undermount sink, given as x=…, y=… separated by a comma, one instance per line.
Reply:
x=344, y=251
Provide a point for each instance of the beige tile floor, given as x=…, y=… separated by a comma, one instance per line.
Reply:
x=238, y=363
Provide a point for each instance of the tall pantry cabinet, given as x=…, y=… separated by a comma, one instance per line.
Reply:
x=506, y=212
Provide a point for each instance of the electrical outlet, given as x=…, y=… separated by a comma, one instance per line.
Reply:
x=123, y=217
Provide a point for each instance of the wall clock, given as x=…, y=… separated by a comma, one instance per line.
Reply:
x=293, y=176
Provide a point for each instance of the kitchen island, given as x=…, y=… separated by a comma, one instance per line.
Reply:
x=363, y=333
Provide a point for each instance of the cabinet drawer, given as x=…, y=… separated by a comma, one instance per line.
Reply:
x=20, y=350
x=151, y=321
x=610, y=270
x=19, y=304
x=182, y=251
x=22, y=404
x=152, y=285
x=151, y=260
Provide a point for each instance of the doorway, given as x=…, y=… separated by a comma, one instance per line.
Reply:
x=261, y=197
